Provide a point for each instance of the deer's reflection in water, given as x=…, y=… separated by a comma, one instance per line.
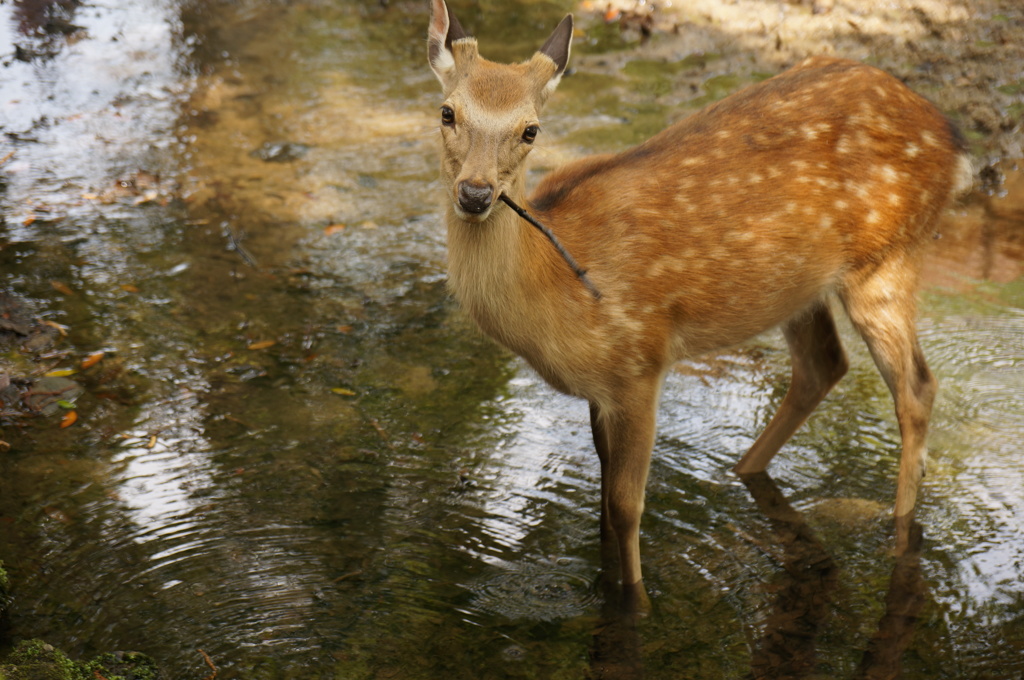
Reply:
x=787, y=645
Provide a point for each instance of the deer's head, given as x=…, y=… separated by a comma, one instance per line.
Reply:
x=491, y=112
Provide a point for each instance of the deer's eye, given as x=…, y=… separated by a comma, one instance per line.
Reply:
x=447, y=116
x=530, y=133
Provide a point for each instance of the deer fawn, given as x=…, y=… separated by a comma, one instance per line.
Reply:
x=828, y=178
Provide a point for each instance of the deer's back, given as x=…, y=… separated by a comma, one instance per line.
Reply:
x=762, y=200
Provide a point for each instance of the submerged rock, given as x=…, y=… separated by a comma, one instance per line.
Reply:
x=280, y=152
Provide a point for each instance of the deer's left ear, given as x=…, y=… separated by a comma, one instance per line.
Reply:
x=444, y=30
x=557, y=50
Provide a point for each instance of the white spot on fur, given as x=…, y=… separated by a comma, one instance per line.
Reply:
x=888, y=174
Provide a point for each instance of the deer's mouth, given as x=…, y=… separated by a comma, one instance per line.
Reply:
x=470, y=216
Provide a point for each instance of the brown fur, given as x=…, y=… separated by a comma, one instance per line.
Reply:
x=825, y=179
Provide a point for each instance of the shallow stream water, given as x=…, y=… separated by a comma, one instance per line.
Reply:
x=298, y=456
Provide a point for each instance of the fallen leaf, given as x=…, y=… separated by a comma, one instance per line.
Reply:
x=92, y=359
x=28, y=220
x=333, y=229
x=129, y=288
x=63, y=330
x=61, y=288
x=69, y=419
x=345, y=329
x=61, y=373
x=262, y=344
x=342, y=391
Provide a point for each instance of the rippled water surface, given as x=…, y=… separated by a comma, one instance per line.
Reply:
x=298, y=456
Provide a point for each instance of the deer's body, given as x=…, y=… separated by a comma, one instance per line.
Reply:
x=743, y=217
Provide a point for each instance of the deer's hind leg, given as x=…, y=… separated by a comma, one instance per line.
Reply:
x=818, y=363
x=882, y=305
x=609, y=547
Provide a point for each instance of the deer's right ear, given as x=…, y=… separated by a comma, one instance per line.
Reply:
x=444, y=29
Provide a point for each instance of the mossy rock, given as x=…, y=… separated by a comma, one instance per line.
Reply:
x=37, y=660
x=123, y=666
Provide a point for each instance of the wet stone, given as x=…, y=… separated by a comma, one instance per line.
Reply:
x=46, y=393
x=280, y=152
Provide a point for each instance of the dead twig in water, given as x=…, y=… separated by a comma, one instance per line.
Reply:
x=346, y=577
x=382, y=433
x=209, y=662
x=235, y=243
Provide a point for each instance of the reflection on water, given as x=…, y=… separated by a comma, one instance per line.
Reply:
x=299, y=457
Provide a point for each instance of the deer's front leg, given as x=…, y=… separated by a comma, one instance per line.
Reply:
x=628, y=429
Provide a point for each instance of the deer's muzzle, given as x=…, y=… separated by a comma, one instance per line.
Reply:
x=475, y=197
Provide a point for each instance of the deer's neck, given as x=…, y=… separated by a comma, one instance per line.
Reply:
x=505, y=274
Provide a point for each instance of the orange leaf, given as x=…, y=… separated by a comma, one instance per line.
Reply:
x=263, y=344
x=63, y=330
x=129, y=288
x=69, y=419
x=92, y=359
x=61, y=288
x=333, y=229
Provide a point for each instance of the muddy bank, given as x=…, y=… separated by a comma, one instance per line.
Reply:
x=968, y=57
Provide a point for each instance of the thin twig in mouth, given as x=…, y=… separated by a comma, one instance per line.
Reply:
x=581, y=273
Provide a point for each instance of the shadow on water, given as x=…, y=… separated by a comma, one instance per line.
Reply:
x=295, y=453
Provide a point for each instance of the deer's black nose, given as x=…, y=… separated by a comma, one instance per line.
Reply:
x=475, y=197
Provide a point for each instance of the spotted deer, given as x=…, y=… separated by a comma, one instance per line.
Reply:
x=826, y=179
